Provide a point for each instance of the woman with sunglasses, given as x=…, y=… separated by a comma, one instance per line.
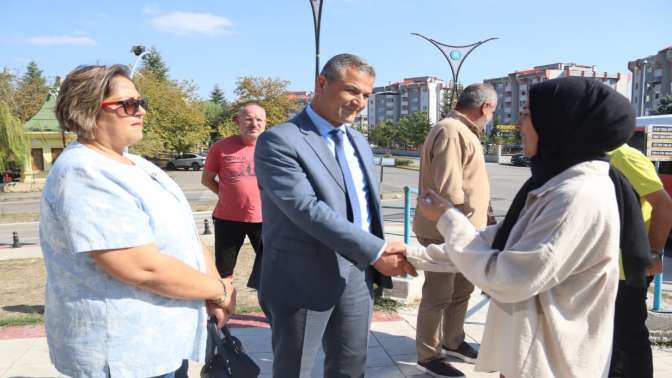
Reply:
x=129, y=279
x=551, y=267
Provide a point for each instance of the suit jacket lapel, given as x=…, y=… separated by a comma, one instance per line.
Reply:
x=315, y=141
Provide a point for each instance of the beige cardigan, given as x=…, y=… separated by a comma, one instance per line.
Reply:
x=553, y=287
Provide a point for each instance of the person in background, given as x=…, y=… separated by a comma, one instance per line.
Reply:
x=551, y=266
x=632, y=356
x=229, y=173
x=452, y=164
x=128, y=279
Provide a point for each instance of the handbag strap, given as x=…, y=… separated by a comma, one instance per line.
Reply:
x=214, y=334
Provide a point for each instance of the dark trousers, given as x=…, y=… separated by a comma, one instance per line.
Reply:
x=229, y=237
x=631, y=354
x=343, y=332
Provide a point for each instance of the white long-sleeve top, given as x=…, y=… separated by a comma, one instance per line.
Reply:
x=553, y=287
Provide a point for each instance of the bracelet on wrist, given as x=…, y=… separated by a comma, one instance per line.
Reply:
x=221, y=301
x=657, y=253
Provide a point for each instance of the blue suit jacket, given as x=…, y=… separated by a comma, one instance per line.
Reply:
x=309, y=244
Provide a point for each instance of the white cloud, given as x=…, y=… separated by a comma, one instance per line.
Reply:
x=151, y=9
x=53, y=40
x=187, y=23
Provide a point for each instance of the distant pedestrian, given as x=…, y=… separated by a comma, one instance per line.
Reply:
x=128, y=279
x=229, y=173
x=452, y=164
x=551, y=267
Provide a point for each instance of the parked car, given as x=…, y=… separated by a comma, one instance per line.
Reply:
x=10, y=175
x=520, y=160
x=186, y=161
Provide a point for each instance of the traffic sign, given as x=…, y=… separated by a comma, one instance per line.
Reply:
x=659, y=142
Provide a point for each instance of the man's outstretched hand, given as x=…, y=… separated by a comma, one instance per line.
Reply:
x=393, y=261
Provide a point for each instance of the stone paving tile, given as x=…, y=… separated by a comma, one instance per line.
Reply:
x=41, y=370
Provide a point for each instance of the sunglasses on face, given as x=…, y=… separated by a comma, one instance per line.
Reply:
x=131, y=105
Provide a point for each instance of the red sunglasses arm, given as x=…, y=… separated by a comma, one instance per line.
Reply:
x=108, y=103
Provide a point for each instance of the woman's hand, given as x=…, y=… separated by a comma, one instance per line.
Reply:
x=223, y=308
x=433, y=205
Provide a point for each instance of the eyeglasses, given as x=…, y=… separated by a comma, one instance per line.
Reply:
x=131, y=105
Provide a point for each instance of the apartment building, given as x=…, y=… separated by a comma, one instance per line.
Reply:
x=417, y=94
x=512, y=89
x=651, y=80
x=302, y=98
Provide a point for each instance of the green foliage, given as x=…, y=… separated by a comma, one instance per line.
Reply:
x=217, y=96
x=402, y=162
x=31, y=93
x=22, y=320
x=13, y=138
x=216, y=115
x=665, y=105
x=409, y=132
x=175, y=122
x=271, y=94
x=7, y=87
x=154, y=66
x=414, y=128
x=386, y=304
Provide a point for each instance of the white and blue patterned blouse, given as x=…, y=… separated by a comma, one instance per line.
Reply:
x=96, y=325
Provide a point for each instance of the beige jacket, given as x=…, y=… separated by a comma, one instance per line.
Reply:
x=553, y=287
x=452, y=164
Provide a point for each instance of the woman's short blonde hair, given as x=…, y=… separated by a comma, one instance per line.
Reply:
x=81, y=94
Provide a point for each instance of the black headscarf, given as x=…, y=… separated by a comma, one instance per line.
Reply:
x=577, y=120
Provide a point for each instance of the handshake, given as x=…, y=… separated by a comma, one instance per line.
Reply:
x=393, y=260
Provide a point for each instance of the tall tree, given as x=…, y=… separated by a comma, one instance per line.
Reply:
x=447, y=93
x=215, y=115
x=217, y=96
x=7, y=87
x=31, y=93
x=13, y=139
x=664, y=105
x=271, y=94
x=176, y=121
x=153, y=65
x=413, y=128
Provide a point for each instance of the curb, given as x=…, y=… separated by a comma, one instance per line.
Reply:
x=249, y=320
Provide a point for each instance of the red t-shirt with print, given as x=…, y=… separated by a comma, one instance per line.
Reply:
x=239, y=198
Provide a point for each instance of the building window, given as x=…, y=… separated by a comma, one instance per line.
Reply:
x=37, y=159
x=54, y=154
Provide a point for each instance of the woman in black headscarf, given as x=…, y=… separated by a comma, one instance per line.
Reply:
x=551, y=267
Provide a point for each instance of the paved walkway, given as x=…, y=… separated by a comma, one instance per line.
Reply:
x=391, y=349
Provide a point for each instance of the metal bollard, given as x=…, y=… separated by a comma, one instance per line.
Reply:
x=15, y=240
x=206, y=227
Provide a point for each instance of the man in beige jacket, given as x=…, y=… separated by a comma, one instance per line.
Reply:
x=452, y=164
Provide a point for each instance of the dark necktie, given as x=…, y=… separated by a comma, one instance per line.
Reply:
x=354, y=214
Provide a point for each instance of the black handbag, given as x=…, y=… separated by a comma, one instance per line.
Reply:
x=225, y=357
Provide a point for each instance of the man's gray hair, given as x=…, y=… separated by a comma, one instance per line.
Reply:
x=333, y=69
x=476, y=95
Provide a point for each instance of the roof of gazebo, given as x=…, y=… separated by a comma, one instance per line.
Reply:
x=45, y=119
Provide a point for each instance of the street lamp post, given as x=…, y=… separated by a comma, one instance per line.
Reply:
x=316, y=6
x=455, y=55
x=139, y=51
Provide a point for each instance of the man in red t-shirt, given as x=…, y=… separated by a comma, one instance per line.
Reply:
x=229, y=173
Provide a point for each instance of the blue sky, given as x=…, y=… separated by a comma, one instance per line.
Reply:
x=215, y=42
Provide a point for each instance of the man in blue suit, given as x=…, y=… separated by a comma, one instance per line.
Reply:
x=323, y=231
